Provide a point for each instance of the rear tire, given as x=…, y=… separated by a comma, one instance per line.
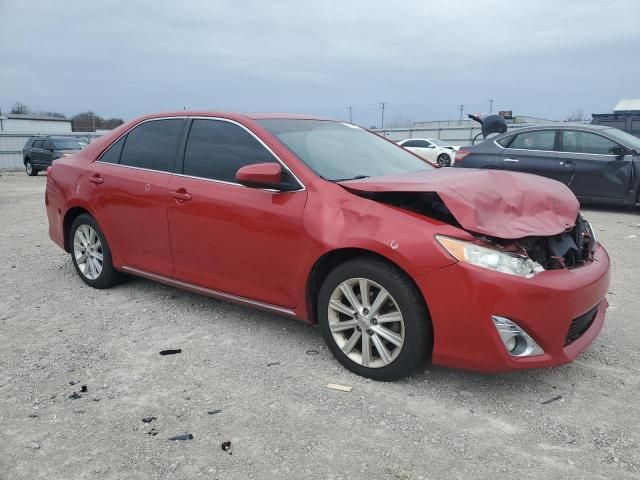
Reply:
x=90, y=253
x=30, y=169
x=397, y=332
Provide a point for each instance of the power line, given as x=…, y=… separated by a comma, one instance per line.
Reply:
x=382, y=106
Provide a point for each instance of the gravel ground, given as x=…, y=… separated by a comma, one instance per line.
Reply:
x=267, y=376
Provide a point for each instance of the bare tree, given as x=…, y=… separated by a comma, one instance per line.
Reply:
x=578, y=116
x=20, y=108
x=90, y=122
x=52, y=114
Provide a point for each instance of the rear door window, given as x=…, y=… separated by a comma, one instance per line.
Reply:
x=38, y=144
x=112, y=155
x=536, y=140
x=217, y=149
x=153, y=145
x=586, y=142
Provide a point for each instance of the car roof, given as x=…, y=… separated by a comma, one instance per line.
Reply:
x=236, y=115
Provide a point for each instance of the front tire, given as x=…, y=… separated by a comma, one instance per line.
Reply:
x=90, y=253
x=374, y=319
x=444, y=160
x=30, y=169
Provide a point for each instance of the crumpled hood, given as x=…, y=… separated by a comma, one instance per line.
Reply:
x=497, y=203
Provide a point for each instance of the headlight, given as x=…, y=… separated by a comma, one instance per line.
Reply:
x=510, y=263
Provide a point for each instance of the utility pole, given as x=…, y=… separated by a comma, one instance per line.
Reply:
x=382, y=106
x=491, y=106
x=350, y=116
x=461, y=110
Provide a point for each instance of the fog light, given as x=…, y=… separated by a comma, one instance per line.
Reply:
x=517, y=342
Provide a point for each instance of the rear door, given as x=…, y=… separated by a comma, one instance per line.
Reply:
x=599, y=172
x=227, y=237
x=534, y=151
x=128, y=186
x=47, y=152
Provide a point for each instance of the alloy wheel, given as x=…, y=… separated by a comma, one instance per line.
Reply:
x=366, y=322
x=87, y=251
x=444, y=160
x=29, y=168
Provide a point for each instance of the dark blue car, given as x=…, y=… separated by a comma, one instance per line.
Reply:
x=599, y=164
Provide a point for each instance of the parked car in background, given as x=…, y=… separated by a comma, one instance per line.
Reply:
x=40, y=151
x=397, y=261
x=599, y=164
x=433, y=150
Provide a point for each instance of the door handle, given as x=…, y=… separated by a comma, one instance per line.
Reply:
x=512, y=160
x=97, y=179
x=180, y=195
x=567, y=163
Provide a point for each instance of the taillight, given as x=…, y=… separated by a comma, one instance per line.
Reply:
x=460, y=154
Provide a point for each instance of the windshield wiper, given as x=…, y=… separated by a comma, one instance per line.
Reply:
x=357, y=177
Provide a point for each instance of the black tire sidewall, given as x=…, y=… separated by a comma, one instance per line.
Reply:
x=418, y=334
x=34, y=170
x=447, y=163
x=108, y=276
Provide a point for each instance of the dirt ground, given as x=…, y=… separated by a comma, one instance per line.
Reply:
x=259, y=381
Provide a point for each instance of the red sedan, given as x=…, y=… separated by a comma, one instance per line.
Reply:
x=397, y=261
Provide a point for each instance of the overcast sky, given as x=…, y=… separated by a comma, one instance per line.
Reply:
x=424, y=58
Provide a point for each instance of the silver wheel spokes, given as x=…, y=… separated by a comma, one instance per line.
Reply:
x=366, y=322
x=87, y=251
x=29, y=168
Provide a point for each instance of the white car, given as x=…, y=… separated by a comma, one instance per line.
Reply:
x=435, y=151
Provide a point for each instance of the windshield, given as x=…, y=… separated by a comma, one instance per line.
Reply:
x=341, y=151
x=68, y=144
x=629, y=140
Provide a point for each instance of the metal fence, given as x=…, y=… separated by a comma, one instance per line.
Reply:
x=454, y=135
x=11, y=145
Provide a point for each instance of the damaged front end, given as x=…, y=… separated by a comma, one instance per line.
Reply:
x=570, y=249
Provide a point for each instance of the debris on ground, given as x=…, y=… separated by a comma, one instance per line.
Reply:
x=171, y=352
x=631, y=236
x=33, y=415
x=148, y=419
x=546, y=402
x=74, y=382
x=226, y=447
x=83, y=389
x=75, y=396
x=180, y=438
x=34, y=445
x=341, y=388
x=273, y=364
x=153, y=432
x=312, y=352
x=213, y=412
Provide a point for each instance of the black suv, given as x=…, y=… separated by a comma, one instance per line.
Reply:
x=39, y=152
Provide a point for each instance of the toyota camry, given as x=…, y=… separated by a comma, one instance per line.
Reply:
x=398, y=262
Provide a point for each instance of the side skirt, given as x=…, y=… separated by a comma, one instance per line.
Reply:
x=210, y=293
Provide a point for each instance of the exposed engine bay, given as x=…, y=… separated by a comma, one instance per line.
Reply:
x=569, y=249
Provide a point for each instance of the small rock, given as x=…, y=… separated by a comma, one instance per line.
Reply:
x=213, y=412
x=226, y=447
x=148, y=419
x=83, y=389
x=75, y=396
x=186, y=436
x=34, y=445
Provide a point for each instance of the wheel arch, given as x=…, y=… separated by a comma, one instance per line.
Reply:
x=330, y=260
x=69, y=217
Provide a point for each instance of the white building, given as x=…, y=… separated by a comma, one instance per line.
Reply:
x=18, y=123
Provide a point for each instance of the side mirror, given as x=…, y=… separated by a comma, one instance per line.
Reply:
x=261, y=175
x=618, y=150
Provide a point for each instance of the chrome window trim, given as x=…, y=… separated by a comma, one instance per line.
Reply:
x=197, y=117
x=563, y=129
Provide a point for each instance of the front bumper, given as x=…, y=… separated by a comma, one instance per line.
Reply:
x=462, y=298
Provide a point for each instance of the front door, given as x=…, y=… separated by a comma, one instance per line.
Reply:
x=599, y=172
x=227, y=237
